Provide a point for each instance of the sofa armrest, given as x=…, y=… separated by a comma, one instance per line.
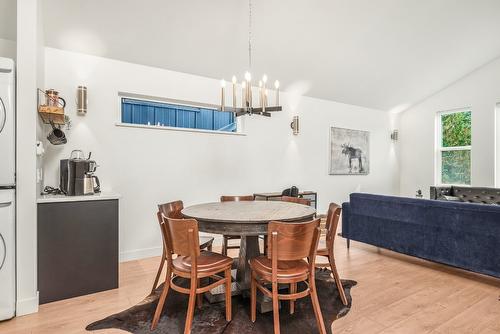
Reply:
x=439, y=192
x=346, y=213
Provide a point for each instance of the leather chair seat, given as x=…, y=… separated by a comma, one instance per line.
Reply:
x=287, y=270
x=207, y=262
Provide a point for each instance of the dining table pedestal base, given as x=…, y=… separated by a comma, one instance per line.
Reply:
x=249, y=249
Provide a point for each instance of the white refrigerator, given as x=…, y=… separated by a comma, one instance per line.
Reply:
x=7, y=190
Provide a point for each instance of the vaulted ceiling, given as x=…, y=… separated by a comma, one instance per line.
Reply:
x=384, y=54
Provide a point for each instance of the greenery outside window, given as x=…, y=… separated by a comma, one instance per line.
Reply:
x=454, y=140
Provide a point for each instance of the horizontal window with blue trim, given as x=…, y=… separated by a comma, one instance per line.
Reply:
x=144, y=112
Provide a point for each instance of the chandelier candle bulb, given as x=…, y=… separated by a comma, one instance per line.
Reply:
x=247, y=92
x=264, y=98
x=261, y=97
x=234, y=91
x=243, y=94
x=249, y=89
x=248, y=78
x=277, y=86
x=223, y=85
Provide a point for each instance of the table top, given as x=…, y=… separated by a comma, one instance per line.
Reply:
x=249, y=211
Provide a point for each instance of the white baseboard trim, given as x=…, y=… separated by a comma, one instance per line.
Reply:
x=27, y=306
x=137, y=254
x=142, y=253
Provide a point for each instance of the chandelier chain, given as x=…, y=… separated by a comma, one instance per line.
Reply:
x=249, y=35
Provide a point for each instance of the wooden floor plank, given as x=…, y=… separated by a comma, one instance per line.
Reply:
x=395, y=294
x=485, y=313
x=438, y=312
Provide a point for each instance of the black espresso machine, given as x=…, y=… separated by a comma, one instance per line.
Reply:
x=77, y=175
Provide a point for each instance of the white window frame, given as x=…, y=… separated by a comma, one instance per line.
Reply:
x=240, y=122
x=440, y=149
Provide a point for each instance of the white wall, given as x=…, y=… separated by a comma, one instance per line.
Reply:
x=479, y=90
x=8, y=22
x=151, y=166
x=7, y=48
x=29, y=71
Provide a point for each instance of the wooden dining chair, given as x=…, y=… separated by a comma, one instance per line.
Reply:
x=332, y=221
x=173, y=210
x=226, y=238
x=298, y=200
x=182, y=239
x=289, y=244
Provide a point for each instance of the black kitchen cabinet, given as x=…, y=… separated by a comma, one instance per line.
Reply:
x=77, y=248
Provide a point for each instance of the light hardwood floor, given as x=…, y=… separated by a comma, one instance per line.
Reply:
x=395, y=294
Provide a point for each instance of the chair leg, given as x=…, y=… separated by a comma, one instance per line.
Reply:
x=163, y=258
x=228, y=294
x=199, y=296
x=265, y=244
x=293, y=289
x=276, y=309
x=253, y=298
x=191, y=306
x=348, y=243
x=224, y=245
x=336, y=277
x=161, y=301
x=316, y=307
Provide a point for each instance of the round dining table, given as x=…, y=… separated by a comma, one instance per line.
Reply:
x=247, y=219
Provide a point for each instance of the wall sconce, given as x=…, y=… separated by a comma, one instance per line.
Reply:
x=81, y=100
x=295, y=125
x=394, y=135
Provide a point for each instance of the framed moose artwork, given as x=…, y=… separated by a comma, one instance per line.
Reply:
x=349, y=152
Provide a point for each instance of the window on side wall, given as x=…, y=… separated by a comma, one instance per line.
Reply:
x=144, y=112
x=454, y=142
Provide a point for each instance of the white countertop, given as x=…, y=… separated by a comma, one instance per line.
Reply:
x=63, y=198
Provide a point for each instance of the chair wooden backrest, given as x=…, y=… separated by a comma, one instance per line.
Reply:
x=169, y=210
x=293, y=241
x=172, y=209
x=332, y=222
x=182, y=236
x=298, y=200
x=237, y=198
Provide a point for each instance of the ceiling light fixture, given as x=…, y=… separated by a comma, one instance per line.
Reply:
x=247, y=100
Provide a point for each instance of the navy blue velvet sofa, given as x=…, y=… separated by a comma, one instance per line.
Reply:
x=464, y=235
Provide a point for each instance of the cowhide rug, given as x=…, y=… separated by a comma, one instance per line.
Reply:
x=210, y=318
